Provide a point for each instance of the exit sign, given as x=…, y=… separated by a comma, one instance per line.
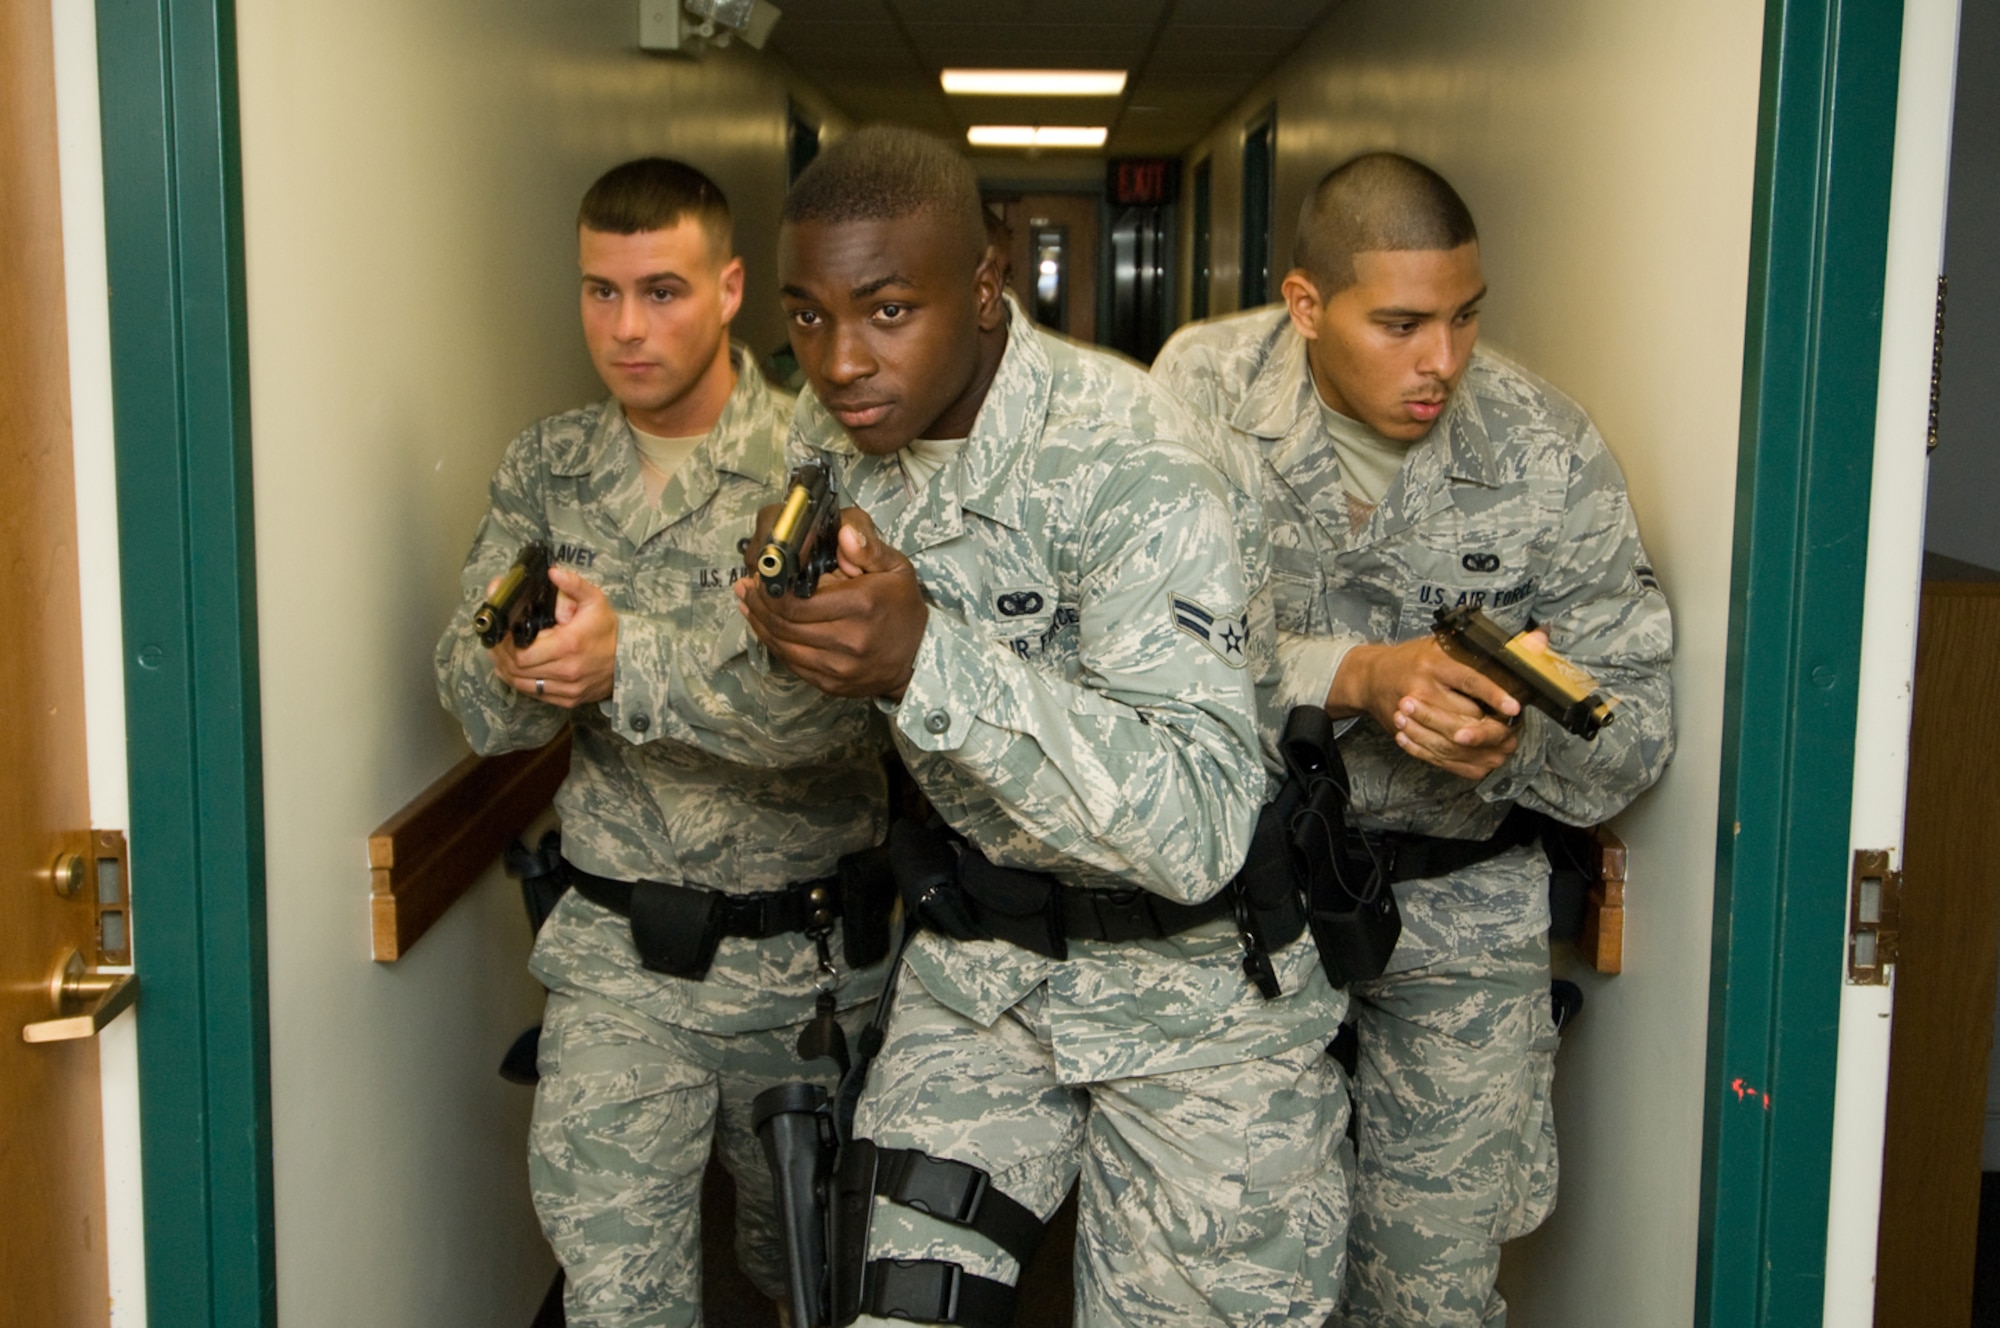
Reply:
x=1143, y=181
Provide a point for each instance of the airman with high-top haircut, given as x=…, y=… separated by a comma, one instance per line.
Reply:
x=1052, y=585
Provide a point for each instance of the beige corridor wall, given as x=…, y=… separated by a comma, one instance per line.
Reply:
x=1607, y=154
x=410, y=178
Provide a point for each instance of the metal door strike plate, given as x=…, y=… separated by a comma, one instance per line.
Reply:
x=1874, y=918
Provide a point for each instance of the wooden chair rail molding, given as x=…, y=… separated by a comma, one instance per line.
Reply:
x=1603, y=943
x=428, y=854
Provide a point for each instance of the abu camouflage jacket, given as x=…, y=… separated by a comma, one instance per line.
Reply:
x=706, y=766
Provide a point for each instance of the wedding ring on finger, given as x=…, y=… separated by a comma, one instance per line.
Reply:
x=541, y=688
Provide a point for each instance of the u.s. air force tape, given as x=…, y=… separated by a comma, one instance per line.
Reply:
x=1225, y=636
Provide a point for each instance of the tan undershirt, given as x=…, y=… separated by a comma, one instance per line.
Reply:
x=660, y=457
x=923, y=458
x=1369, y=463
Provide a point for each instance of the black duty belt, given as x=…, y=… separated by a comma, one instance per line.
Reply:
x=1136, y=915
x=963, y=895
x=676, y=928
x=1412, y=857
x=800, y=907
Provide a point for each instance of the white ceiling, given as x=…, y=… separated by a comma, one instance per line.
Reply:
x=1190, y=60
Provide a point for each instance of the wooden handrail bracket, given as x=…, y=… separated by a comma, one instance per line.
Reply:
x=1603, y=943
x=425, y=856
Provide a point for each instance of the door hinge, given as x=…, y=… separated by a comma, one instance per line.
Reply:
x=1874, y=918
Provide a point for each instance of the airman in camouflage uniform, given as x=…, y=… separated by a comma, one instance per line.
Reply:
x=1075, y=687
x=1505, y=498
x=694, y=762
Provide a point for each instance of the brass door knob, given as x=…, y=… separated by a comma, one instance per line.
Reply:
x=73, y=984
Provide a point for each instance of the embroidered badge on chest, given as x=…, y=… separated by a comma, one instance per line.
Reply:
x=1226, y=636
x=1019, y=603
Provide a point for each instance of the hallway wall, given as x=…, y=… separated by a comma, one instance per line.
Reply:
x=1607, y=155
x=410, y=179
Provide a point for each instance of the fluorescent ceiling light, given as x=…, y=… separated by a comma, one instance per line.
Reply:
x=1034, y=82
x=1036, y=136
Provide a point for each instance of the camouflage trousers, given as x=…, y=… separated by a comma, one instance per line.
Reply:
x=623, y=1120
x=1455, y=1136
x=1208, y=1196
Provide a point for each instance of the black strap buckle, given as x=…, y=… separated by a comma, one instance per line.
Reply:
x=1124, y=915
x=939, y=1186
x=1256, y=950
x=959, y=1193
x=1373, y=849
x=923, y=1290
x=745, y=915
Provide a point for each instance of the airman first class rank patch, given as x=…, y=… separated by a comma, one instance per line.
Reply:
x=1225, y=636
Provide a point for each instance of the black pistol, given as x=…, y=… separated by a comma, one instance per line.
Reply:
x=1540, y=678
x=804, y=541
x=523, y=603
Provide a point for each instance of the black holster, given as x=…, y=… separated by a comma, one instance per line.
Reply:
x=795, y=1124
x=1349, y=904
x=850, y=1208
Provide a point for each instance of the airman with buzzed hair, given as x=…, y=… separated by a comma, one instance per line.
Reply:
x=1405, y=470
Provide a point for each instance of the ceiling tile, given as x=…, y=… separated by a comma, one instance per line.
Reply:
x=1230, y=37
x=1295, y=14
x=830, y=38
x=842, y=11
x=1214, y=66
x=1040, y=12
x=1035, y=110
x=1039, y=44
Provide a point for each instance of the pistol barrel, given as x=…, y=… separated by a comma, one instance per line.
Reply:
x=523, y=602
x=800, y=546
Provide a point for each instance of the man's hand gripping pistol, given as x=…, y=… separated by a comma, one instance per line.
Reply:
x=1540, y=678
x=804, y=542
x=522, y=605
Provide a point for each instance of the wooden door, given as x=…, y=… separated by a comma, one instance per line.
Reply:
x=52, y=1263
x=1950, y=943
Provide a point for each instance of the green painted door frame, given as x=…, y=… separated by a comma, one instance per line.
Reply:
x=180, y=385
x=1818, y=253
x=180, y=393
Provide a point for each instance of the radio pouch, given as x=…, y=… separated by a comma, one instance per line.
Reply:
x=867, y=898
x=1351, y=908
x=675, y=929
x=1024, y=907
x=926, y=871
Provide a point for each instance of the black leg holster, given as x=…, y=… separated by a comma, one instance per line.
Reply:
x=796, y=1128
